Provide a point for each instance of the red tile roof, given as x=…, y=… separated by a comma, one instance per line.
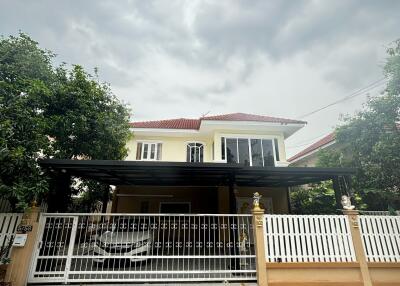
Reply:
x=185, y=123
x=180, y=123
x=320, y=143
x=251, y=117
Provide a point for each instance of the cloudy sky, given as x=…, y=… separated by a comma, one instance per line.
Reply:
x=171, y=59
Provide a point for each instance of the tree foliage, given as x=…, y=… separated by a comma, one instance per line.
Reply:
x=51, y=111
x=314, y=199
x=25, y=71
x=370, y=142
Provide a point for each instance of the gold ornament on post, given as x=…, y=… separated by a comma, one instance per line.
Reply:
x=256, y=201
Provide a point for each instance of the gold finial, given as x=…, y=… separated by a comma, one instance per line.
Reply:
x=256, y=201
x=34, y=204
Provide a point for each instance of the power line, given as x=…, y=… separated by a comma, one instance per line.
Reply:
x=307, y=142
x=350, y=96
x=311, y=139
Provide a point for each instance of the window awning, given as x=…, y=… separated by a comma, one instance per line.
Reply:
x=155, y=173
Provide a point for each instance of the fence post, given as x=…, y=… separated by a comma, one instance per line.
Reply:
x=259, y=232
x=358, y=245
x=17, y=271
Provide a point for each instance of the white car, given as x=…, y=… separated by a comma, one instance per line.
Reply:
x=134, y=245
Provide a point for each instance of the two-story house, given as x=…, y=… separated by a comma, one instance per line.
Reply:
x=213, y=164
x=254, y=142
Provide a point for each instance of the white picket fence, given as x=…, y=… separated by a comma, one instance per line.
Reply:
x=308, y=238
x=8, y=227
x=381, y=238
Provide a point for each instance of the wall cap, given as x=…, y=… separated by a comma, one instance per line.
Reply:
x=311, y=265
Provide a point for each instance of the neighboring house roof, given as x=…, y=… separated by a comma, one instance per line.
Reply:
x=185, y=123
x=313, y=147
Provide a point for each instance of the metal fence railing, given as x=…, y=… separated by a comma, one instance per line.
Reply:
x=308, y=238
x=381, y=238
x=80, y=248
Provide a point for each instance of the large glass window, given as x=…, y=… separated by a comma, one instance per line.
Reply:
x=243, y=148
x=195, y=152
x=249, y=152
x=268, y=152
x=256, y=153
x=231, y=150
x=276, y=149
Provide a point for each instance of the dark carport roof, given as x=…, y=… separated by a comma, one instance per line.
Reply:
x=190, y=174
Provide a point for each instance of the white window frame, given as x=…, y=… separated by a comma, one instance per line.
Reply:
x=149, y=143
x=249, y=137
x=197, y=142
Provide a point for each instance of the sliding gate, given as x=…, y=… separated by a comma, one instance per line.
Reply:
x=93, y=248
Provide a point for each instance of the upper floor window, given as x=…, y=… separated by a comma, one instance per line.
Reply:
x=195, y=152
x=249, y=151
x=148, y=151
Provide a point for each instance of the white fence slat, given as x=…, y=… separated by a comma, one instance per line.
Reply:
x=292, y=241
x=296, y=238
x=371, y=229
x=311, y=238
x=324, y=241
x=281, y=233
x=344, y=241
x=314, y=247
x=335, y=237
x=318, y=238
x=303, y=251
x=395, y=239
x=287, y=240
x=8, y=227
x=381, y=237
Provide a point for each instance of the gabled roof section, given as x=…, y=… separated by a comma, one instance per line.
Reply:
x=187, y=123
x=317, y=145
x=251, y=117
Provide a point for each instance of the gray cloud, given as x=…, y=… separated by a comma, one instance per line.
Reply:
x=183, y=58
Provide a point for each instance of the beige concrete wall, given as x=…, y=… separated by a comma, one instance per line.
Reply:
x=301, y=274
x=278, y=195
x=174, y=147
x=385, y=274
x=18, y=269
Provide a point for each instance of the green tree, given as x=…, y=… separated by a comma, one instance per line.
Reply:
x=370, y=142
x=25, y=71
x=86, y=121
x=52, y=111
x=314, y=199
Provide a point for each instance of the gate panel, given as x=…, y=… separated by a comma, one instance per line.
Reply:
x=154, y=247
x=54, y=248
